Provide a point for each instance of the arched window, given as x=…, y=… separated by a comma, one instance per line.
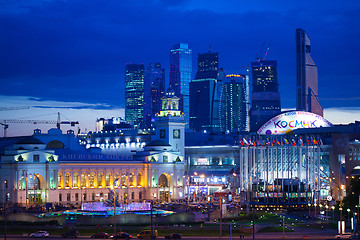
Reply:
x=76, y=180
x=67, y=180
x=36, y=182
x=107, y=179
x=92, y=180
x=100, y=180
x=132, y=180
x=22, y=183
x=83, y=180
x=60, y=182
x=55, y=145
x=139, y=180
x=116, y=180
x=124, y=179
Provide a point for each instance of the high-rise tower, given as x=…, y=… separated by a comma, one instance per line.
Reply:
x=307, y=96
x=265, y=97
x=233, y=109
x=180, y=75
x=134, y=94
x=205, y=94
x=154, y=90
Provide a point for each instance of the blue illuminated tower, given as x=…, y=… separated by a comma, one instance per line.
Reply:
x=180, y=75
x=307, y=98
x=134, y=94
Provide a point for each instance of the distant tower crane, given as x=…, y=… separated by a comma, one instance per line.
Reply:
x=13, y=108
x=58, y=122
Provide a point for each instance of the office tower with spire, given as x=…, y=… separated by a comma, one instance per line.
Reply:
x=134, y=94
x=180, y=75
x=205, y=94
x=307, y=96
x=265, y=98
x=154, y=90
x=233, y=104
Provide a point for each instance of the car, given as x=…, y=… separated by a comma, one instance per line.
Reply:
x=70, y=234
x=121, y=235
x=173, y=236
x=344, y=236
x=39, y=234
x=147, y=234
x=100, y=235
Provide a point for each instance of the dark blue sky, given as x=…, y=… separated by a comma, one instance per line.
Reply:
x=76, y=50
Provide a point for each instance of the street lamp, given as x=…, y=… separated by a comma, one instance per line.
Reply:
x=113, y=190
x=333, y=208
x=4, y=200
x=348, y=210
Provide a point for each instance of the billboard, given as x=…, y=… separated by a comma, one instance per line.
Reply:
x=286, y=122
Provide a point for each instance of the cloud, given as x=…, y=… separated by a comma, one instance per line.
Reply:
x=343, y=115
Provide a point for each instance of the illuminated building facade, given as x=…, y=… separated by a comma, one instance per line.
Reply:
x=52, y=168
x=180, y=75
x=154, y=89
x=112, y=124
x=265, y=98
x=233, y=108
x=307, y=96
x=134, y=94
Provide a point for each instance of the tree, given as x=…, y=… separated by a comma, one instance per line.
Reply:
x=352, y=194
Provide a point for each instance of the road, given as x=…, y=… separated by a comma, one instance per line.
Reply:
x=263, y=236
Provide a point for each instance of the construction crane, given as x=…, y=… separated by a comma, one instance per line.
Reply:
x=6, y=126
x=265, y=48
x=13, y=108
x=58, y=122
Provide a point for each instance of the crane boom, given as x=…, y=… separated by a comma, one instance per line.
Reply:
x=30, y=121
x=58, y=122
x=13, y=108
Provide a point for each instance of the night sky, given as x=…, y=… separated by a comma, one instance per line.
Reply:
x=72, y=54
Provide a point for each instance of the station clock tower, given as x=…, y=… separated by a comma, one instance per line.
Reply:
x=170, y=123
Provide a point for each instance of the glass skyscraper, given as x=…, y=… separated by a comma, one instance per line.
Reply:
x=265, y=99
x=233, y=112
x=180, y=75
x=205, y=92
x=154, y=90
x=134, y=94
x=307, y=96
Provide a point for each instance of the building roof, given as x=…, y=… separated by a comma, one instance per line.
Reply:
x=30, y=140
x=156, y=143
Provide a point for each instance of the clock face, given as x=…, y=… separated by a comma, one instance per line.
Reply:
x=162, y=133
x=176, y=133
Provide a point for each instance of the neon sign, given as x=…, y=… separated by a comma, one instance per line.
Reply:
x=286, y=122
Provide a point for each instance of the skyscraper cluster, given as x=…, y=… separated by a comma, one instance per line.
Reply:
x=213, y=101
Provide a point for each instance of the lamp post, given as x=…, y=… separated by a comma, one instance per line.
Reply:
x=197, y=190
x=326, y=210
x=309, y=205
x=348, y=210
x=114, y=202
x=202, y=177
x=333, y=208
x=4, y=200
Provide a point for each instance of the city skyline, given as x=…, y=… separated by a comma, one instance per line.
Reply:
x=62, y=52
